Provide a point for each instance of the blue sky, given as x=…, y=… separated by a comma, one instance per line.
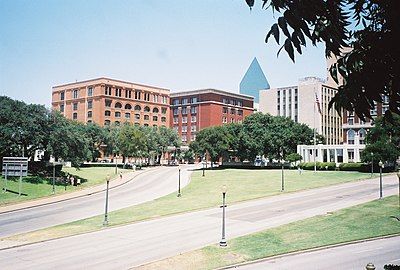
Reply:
x=176, y=44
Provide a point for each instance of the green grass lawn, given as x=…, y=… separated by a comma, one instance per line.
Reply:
x=203, y=192
x=359, y=222
x=34, y=187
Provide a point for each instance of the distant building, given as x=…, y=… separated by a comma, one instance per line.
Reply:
x=298, y=102
x=253, y=81
x=107, y=101
x=192, y=111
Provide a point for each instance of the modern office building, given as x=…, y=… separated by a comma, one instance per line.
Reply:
x=107, y=101
x=192, y=111
x=253, y=81
x=299, y=102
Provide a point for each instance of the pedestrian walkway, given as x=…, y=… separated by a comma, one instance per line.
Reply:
x=114, y=182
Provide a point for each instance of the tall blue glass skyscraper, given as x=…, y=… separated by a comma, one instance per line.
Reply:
x=253, y=81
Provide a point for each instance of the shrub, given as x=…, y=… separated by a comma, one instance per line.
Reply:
x=323, y=166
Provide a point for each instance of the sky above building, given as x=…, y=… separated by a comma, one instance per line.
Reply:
x=176, y=44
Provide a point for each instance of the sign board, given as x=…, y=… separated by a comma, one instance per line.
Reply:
x=15, y=166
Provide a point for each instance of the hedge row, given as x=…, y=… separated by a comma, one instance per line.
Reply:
x=320, y=166
x=358, y=167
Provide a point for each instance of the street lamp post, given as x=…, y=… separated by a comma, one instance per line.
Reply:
x=203, y=167
x=398, y=176
x=105, y=223
x=282, y=179
x=54, y=178
x=179, y=181
x=372, y=164
x=381, y=166
x=222, y=243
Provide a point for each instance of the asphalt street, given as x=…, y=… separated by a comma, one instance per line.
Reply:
x=145, y=187
x=136, y=244
x=354, y=256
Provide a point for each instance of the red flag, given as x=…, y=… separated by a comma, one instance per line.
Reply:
x=318, y=104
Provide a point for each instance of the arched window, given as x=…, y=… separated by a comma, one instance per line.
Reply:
x=107, y=122
x=128, y=106
x=117, y=114
x=361, y=135
x=107, y=113
x=146, y=117
x=137, y=108
x=147, y=109
x=350, y=136
x=155, y=110
x=118, y=105
x=163, y=119
x=155, y=118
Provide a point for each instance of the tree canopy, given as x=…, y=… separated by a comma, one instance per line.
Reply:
x=370, y=28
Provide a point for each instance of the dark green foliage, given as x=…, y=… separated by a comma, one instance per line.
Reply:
x=321, y=166
x=391, y=267
x=370, y=69
x=43, y=168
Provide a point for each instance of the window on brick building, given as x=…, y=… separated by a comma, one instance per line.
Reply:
x=107, y=113
x=137, y=108
x=118, y=92
x=146, y=117
x=193, y=110
x=176, y=120
x=108, y=103
x=137, y=116
x=108, y=90
x=75, y=93
x=184, y=119
x=184, y=110
x=155, y=110
x=193, y=128
x=89, y=114
x=163, y=119
x=193, y=119
x=107, y=122
x=175, y=102
x=147, y=109
x=127, y=115
x=117, y=114
x=155, y=118
x=224, y=120
x=118, y=105
x=61, y=107
x=164, y=110
x=184, y=128
x=62, y=95
x=90, y=91
x=224, y=110
x=90, y=104
x=128, y=106
x=74, y=116
x=117, y=123
x=75, y=106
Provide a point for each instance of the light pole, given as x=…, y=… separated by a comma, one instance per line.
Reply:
x=398, y=176
x=282, y=179
x=179, y=181
x=203, y=167
x=222, y=243
x=105, y=223
x=116, y=164
x=372, y=164
x=381, y=166
x=54, y=178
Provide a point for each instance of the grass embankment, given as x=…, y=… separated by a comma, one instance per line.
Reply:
x=359, y=222
x=202, y=192
x=34, y=187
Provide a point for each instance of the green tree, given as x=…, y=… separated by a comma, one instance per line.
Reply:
x=96, y=136
x=215, y=141
x=383, y=140
x=370, y=27
x=131, y=141
x=67, y=140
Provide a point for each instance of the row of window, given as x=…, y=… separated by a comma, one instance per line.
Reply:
x=118, y=105
x=184, y=110
x=351, y=136
x=75, y=93
x=225, y=110
x=185, y=128
x=137, y=95
x=117, y=123
x=192, y=138
x=184, y=101
x=137, y=116
x=193, y=119
x=232, y=120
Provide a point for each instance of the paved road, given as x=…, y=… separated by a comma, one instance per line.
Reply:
x=354, y=256
x=143, y=242
x=145, y=187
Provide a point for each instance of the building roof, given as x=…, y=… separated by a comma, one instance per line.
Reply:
x=109, y=79
x=210, y=90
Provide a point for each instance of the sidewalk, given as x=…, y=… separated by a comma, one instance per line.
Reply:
x=114, y=182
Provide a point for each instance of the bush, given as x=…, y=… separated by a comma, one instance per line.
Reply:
x=351, y=167
x=323, y=166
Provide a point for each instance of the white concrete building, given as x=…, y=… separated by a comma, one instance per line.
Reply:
x=299, y=103
x=338, y=153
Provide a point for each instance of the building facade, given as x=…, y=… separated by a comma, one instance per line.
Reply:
x=107, y=101
x=298, y=102
x=192, y=111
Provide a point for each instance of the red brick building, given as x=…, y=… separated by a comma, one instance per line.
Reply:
x=192, y=111
x=107, y=101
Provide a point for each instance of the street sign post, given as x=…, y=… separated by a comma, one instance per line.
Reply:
x=14, y=166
